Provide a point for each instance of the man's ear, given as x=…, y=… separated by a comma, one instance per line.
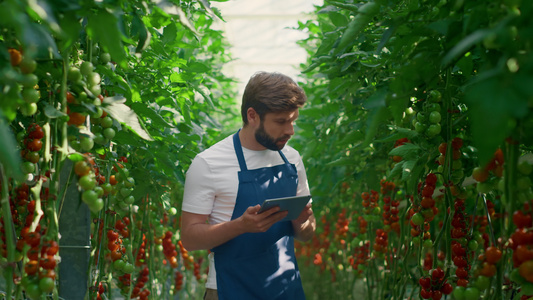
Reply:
x=253, y=116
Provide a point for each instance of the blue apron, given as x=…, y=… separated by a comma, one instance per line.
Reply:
x=260, y=265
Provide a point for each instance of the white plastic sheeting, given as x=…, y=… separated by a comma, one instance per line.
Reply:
x=262, y=35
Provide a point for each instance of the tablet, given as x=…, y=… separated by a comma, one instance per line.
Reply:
x=294, y=205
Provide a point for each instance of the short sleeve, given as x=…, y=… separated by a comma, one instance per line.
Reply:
x=199, y=194
x=303, y=185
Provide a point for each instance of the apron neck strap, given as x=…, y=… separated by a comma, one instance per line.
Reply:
x=238, y=151
x=240, y=155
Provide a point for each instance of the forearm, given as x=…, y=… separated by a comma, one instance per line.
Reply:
x=305, y=231
x=201, y=236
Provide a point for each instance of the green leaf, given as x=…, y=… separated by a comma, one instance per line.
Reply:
x=45, y=13
x=122, y=113
x=104, y=28
x=343, y=161
x=76, y=157
x=492, y=105
x=142, y=109
x=376, y=118
x=51, y=112
x=9, y=154
x=406, y=150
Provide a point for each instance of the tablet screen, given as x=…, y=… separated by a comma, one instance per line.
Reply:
x=294, y=205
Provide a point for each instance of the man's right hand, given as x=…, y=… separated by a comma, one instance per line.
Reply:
x=252, y=221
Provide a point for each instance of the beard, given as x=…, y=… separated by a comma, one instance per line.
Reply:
x=268, y=141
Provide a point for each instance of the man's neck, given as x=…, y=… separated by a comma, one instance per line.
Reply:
x=248, y=141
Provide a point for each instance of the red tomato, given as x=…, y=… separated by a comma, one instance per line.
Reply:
x=493, y=255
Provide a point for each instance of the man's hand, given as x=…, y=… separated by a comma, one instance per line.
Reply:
x=305, y=225
x=254, y=222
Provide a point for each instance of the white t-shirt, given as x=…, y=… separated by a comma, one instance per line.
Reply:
x=212, y=182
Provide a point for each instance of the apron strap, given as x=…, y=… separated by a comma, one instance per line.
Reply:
x=238, y=151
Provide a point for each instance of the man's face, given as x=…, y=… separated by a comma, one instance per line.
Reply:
x=275, y=129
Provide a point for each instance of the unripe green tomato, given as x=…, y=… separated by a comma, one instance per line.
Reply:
x=428, y=244
x=125, y=192
x=525, y=167
x=86, y=143
x=459, y=293
x=74, y=75
x=421, y=117
x=106, y=122
x=27, y=65
x=75, y=144
x=93, y=79
x=105, y=58
x=109, y=133
x=434, y=96
x=86, y=68
x=96, y=90
x=523, y=183
x=433, y=130
x=28, y=167
x=89, y=196
x=417, y=219
x=119, y=264
x=482, y=282
x=82, y=96
x=129, y=182
x=376, y=211
x=99, y=191
x=434, y=117
x=99, y=138
x=128, y=268
x=471, y=293
x=129, y=200
x=30, y=81
x=28, y=109
x=96, y=206
x=173, y=211
x=420, y=127
x=473, y=245
x=433, y=107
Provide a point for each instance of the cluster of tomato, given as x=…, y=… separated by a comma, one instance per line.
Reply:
x=196, y=269
x=100, y=290
x=390, y=215
x=370, y=201
x=120, y=260
x=26, y=87
x=140, y=290
x=434, y=286
x=460, y=252
x=360, y=258
x=32, y=147
x=428, y=119
x=169, y=250
x=423, y=213
x=495, y=167
x=381, y=242
x=140, y=259
x=341, y=227
x=40, y=265
x=92, y=191
x=521, y=242
x=178, y=281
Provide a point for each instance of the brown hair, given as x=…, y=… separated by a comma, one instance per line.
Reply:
x=271, y=92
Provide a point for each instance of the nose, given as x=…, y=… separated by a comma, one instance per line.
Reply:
x=290, y=129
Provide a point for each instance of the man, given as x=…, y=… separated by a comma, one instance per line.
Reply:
x=252, y=254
